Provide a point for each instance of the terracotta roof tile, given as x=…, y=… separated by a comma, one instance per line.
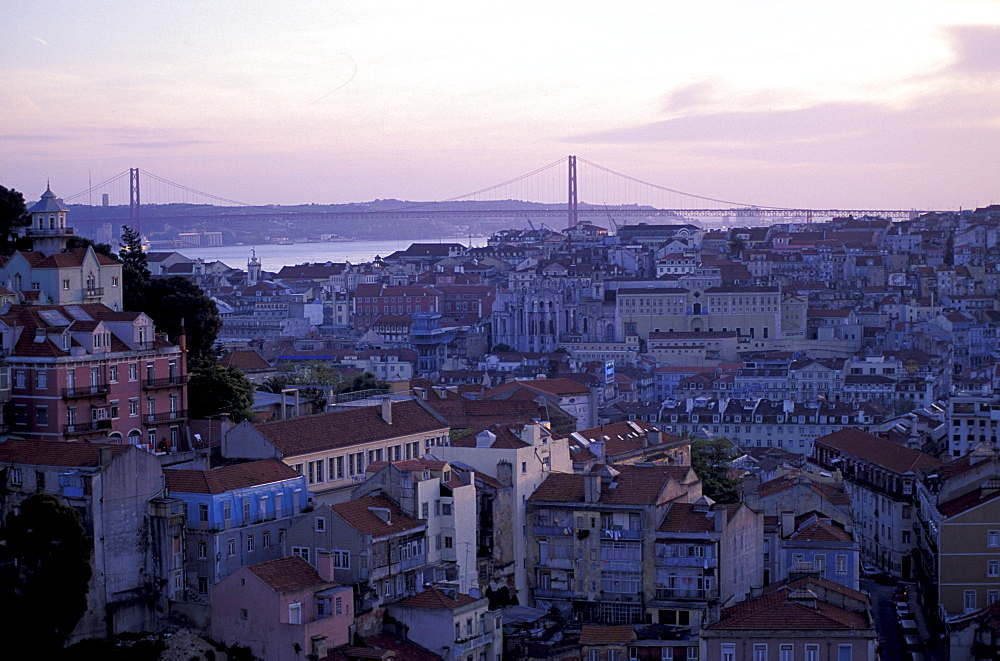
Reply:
x=767, y=611
x=435, y=598
x=595, y=634
x=635, y=485
x=228, y=478
x=313, y=433
x=287, y=574
x=56, y=453
x=359, y=515
x=877, y=450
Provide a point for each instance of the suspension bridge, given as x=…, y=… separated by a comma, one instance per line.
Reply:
x=566, y=190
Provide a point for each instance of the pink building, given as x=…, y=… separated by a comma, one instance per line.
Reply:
x=83, y=372
x=283, y=610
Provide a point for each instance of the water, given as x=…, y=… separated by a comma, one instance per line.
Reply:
x=273, y=257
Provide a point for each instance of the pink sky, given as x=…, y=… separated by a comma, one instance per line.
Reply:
x=848, y=105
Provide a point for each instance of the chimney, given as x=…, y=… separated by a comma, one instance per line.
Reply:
x=597, y=447
x=104, y=455
x=387, y=410
x=324, y=565
x=787, y=523
x=654, y=437
x=787, y=406
x=591, y=488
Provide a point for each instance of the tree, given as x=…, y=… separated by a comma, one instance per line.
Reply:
x=13, y=215
x=135, y=270
x=176, y=300
x=77, y=241
x=710, y=459
x=214, y=390
x=44, y=555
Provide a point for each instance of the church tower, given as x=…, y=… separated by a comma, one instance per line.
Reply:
x=253, y=269
x=48, y=231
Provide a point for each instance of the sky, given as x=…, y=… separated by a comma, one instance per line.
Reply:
x=850, y=105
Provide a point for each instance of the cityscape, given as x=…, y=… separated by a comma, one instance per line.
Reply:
x=658, y=441
x=653, y=331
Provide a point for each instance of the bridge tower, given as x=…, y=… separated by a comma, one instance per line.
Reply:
x=571, y=205
x=134, y=205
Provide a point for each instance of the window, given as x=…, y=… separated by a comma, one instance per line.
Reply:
x=15, y=476
x=593, y=655
x=841, y=564
x=424, y=510
x=760, y=652
x=227, y=510
x=320, y=524
x=40, y=480
x=993, y=538
x=338, y=606
x=133, y=407
x=251, y=545
x=970, y=601
x=231, y=546
x=341, y=559
x=65, y=284
x=728, y=652
x=992, y=596
x=692, y=653
x=787, y=653
x=42, y=416
x=202, y=585
x=993, y=568
x=202, y=550
x=266, y=538
x=301, y=551
x=448, y=542
x=295, y=613
x=844, y=652
x=612, y=655
x=42, y=378
x=812, y=652
x=133, y=371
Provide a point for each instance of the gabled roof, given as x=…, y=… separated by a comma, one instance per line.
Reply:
x=634, y=485
x=877, y=450
x=435, y=598
x=777, y=611
x=287, y=574
x=596, y=634
x=56, y=453
x=324, y=431
x=228, y=478
x=359, y=515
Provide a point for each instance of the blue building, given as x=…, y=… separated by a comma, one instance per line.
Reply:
x=815, y=545
x=236, y=516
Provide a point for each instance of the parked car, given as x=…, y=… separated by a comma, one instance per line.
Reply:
x=884, y=579
x=902, y=609
x=909, y=627
x=902, y=593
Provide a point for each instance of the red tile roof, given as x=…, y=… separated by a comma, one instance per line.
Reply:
x=228, y=478
x=56, y=453
x=595, y=634
x=877, y=450
x=435, y=598
x=635, y=485
x=821, y=531
x=287, y=574
x=775, y=611
x=358, y=515
x=314, y=433
x=683, y=517
x=967, y=501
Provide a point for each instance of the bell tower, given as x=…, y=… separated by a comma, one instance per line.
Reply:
x=253, y=268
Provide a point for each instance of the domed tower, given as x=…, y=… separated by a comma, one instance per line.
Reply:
x=48, y=231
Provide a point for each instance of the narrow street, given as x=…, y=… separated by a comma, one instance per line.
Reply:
x=891, y=647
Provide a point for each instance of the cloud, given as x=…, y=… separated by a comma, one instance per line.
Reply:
x=161, y=144
x=977, y=49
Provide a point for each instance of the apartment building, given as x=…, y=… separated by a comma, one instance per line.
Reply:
x=84, y=372
x=332, y=450
x=880, y=477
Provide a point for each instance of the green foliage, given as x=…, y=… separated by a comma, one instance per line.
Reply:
x=176, y=300
x=214, y=390
x=13, y=215
x=501, y=347
x=135, y=270
x=44, y=559
x=324, y=377
x=710, y=459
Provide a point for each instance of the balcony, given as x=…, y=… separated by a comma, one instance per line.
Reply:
x=56, y=231
x=86, y=391
x=166, y=416
x=552, y=531
x=616, y=534
x=471, y=644
x=685, y=593
x=93, y=292
x=704, y=563
x=166, y=382
x=86, y=427
x=556, y=563
x=412, y=563
x=552, y=593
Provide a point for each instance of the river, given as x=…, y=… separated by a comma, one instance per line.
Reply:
x=273, y=257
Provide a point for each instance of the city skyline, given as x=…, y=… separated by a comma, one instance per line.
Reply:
x=778, y=104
